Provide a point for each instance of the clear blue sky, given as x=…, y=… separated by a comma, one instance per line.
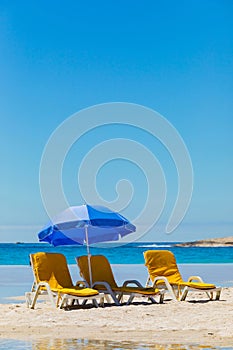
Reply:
x=175, y=57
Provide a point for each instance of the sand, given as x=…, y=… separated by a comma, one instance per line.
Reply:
x=195, y=321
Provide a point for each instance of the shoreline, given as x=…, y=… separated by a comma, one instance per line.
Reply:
x=15, y=280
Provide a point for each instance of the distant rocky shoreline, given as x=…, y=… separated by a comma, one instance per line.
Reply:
x=212, y=242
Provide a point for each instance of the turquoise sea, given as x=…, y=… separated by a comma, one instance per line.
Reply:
x=132, y=253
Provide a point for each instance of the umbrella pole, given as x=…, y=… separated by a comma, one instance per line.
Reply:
x=88, y=256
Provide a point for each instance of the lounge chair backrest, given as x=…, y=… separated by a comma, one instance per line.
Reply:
x=51, y=268
x=162, y=263
x=100, y=268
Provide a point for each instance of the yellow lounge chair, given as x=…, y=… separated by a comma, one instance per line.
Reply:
x=52, y=277
x=163, y=270
x=103, y=280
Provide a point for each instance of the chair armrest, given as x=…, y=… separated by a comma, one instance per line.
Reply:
x=102, y=283
x=138, y=284
x=107, y=290
x=195, y=278
x=43, y=284
x=167, y=284
x=160, y=278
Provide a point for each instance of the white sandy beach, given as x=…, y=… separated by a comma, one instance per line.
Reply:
x=191, y=322
x=195, y=321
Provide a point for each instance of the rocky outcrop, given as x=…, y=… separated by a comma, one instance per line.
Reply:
x=212, y=242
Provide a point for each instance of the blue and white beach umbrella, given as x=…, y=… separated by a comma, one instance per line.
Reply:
x=85, y=224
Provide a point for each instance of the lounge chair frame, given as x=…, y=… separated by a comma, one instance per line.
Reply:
x=57, y=298
x=118, y=294
x=180, y=292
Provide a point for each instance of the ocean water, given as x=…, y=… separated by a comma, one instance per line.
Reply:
x=132, y=253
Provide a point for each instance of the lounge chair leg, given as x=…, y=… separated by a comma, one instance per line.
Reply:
x=101, y=303
x=178, y=293
x=119, y=298
x=34, y=299
x=161, y=298
x=184, y=294
x=152, y=300
x=28, y=298
x=115, y=299
x=170, y=290
x=107, y=298
x=94, y=302
x=218, y=294
x=63, y=301
x=130, y=299
x=51, y=298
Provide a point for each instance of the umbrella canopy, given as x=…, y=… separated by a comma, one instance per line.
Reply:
x=85, y=224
